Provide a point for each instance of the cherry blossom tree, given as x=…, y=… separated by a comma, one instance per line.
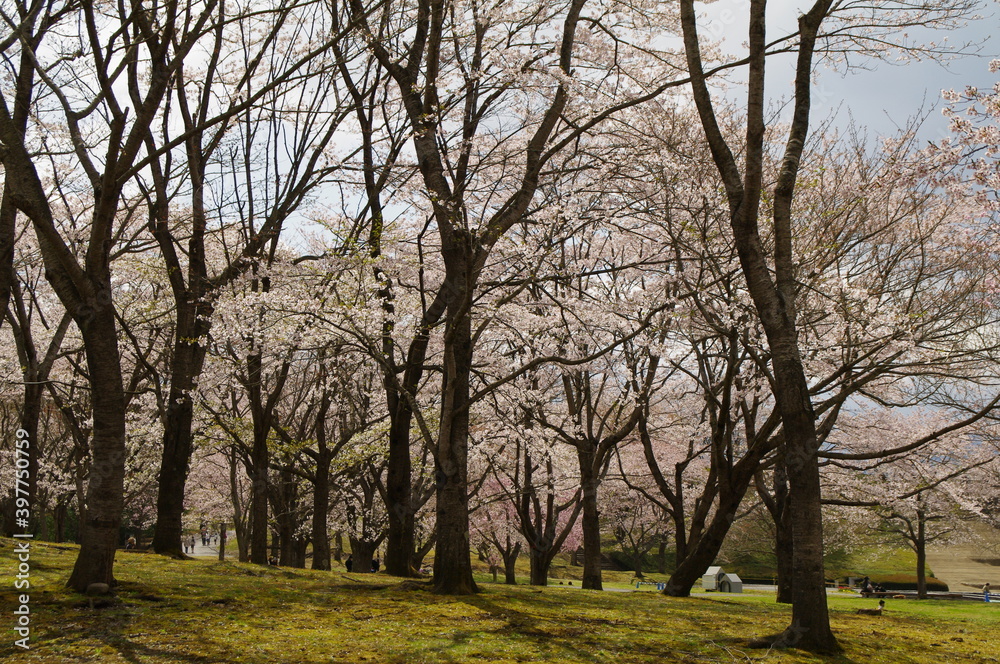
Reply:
x=771, y=271
x=918, y=497
x=476, y=193
x=256, y=142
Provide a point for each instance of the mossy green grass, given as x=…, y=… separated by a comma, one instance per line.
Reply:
x=203, y=611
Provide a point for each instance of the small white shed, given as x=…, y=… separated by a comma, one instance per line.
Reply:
x=730, y=583
x=710, y=579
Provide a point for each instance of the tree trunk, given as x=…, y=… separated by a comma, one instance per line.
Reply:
x=702, y=553
x=185, y=367
x=452, y=557
x=321, y=509
x=421, y=552
x=286, y=525
x=105, y=490
x=299, y=550
x=591, y=524
x=362, y=553
x=784, y=552
x=775, y=299
x=259, y=465
x=239, y=523
x=8, y=219
x=398, y=492
x=258, y=503
x=540, y=561
x=920, y=547
x=810, y=627
x=509, y=561
x=177, y=446
x=59, y=519
x=30, y=415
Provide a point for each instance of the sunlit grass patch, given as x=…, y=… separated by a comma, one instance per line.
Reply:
x=206, y=611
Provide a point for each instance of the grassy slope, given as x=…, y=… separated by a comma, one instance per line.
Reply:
x=204, y=611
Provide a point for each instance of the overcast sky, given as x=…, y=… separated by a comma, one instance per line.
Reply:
x=883, y=98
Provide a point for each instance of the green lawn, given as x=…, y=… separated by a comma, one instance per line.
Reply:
x=204, y=611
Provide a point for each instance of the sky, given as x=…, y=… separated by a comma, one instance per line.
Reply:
x=885, y=96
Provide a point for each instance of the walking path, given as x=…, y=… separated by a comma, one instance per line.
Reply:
x=212, y=550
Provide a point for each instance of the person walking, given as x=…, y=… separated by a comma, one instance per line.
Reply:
x=986, y=592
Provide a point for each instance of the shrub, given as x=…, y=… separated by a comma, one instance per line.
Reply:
x=908, y=582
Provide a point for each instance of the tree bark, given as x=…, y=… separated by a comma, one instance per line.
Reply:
x=362, y=554
x=540, y=560
x=774, y=301
x=178, y=440
x=105, y=490
x=784, y=547
x=321, y=509
x=452, y=557
x=920, y=547
x=509, y=561
x=591, y=523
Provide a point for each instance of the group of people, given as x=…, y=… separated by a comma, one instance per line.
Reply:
x=868, y=588
x=207, y=539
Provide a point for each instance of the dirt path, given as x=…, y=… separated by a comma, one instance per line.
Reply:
x=957, y=564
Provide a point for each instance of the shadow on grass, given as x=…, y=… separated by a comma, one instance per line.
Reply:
x=569, y=637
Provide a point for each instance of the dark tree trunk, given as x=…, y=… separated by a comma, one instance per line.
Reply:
x=810, y=626
x=362, y=554
x=785, y=554
x=702, y=553
x=240, y=525
x=509, y=561
x=300, y=548
x=398, y=489
x=661, y=557
x=59, y=518
x=105, y=490
x=920, y=547
x=30, y=414
x=222, y=540
x=591, y=524
x=452, y=557
x=259, y=459
x=775, y=299
x=539, y=560
x=8, y=217
x=783, y=544
x=185, y=367
x=275, y=548
x=421, y=552
x=321, y=509
x=259, y=462
x=20, y=112
x=286, y=525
